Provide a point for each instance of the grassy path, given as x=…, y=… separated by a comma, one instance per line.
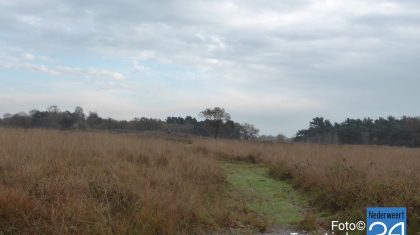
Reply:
x=275, y=200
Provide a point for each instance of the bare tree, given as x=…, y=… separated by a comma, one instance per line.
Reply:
x=248, y=131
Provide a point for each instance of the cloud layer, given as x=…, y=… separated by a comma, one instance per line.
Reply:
x=274, y=63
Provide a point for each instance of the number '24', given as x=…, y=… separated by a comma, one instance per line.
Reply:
x=391, y=230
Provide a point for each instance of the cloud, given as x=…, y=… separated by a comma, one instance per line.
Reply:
x=29, y=61
x=307, y=57
x=72, y=71
x=28, y=56
x=138, y=67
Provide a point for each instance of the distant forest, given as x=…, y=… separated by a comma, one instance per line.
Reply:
x=216, y=123
x=389, y=131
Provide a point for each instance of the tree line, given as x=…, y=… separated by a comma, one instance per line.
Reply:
x=216, y=122
x=382, y=131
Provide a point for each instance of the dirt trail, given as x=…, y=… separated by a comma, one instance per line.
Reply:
x=275, y=200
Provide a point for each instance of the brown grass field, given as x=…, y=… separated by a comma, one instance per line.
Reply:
x=342, y=179
x=54, y=182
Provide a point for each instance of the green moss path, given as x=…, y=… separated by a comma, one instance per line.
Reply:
x=277, y=201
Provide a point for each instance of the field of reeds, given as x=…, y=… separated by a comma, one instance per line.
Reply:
x=56, y=182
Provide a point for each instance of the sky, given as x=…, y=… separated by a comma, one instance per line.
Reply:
x=275, y=64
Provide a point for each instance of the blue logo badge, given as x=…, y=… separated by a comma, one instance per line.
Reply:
x=386, y=221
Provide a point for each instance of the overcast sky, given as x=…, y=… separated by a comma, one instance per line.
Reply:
x=275, y=64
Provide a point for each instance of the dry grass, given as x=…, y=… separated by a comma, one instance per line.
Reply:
x=55, y=182
x=342, y=179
